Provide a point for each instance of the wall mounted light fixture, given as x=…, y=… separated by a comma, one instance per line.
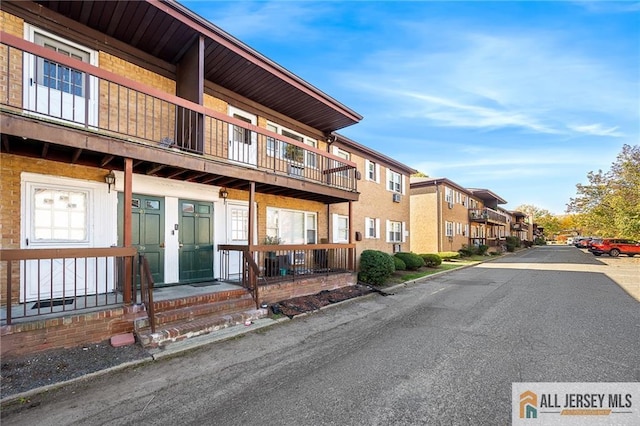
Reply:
x=110, y=179
x=223, y=193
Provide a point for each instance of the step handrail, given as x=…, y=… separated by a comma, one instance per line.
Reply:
x=146, y=290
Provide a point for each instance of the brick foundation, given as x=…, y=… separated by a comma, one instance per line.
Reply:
x=276, y=292
x=64, y=332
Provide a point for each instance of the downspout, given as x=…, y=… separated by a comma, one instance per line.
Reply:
x=439, y=217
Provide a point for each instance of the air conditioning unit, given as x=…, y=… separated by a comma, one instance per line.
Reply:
x=397, y=198
x=450, y=204
x=397, y=248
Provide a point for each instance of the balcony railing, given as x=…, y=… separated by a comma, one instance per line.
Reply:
x=269, y=264
x=487, y=215
x=520, y=226
x=50, y=86
x=51, y=281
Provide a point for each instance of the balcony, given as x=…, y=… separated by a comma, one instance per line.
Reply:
x=487, y=215
x=94, y=117
x=520, y=226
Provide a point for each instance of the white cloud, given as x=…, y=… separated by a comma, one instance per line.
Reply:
x=597, y=130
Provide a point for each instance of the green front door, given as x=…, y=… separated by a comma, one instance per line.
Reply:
x=147, y=225
x=196, y=241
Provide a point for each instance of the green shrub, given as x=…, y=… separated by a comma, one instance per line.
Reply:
x=515, y=241
x=447, y=255
x=412, y=260
x=511, y=247
x=431, y=260
x=399, y=263
x=482, y=249
x=540, y=241
x=467, y=251
x=375, y=267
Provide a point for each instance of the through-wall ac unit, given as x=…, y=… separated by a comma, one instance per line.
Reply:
x=450, y=204
x=397, y=198
x=397, y=248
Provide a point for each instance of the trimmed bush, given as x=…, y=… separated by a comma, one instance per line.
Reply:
x=431, y=260
x=482, y=249
x=467, y=251
x=412, y=260
x=399, y=263
x=447, y=255
x=514, y=241
x=375, y=267
x=540, y=241
x=511, y=247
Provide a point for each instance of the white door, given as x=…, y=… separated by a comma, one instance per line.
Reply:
x=243, y=146
x=58, y=91
x=59, y=214
x=238, y=233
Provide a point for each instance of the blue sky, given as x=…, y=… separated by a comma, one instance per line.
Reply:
x=523, y=98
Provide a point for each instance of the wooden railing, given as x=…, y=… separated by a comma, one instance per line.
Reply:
x=268, y=264
x=46, y=281
x=487, y=215
x=146, y=290
x=110, y=104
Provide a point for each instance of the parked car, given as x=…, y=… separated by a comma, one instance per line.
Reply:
x=614, y=247
x=583, y=242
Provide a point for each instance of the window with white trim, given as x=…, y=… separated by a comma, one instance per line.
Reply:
x=59, y=215
x=394, y=231
x=371, y=227
x=394, y=181
x=345, y=156
x=239, y=224
x=448, y=195
x=466, y=229
x=294, y=153
x=372, y=171
x=340, y=228
x=292, y=226
x=458, y=228
x=448, y=229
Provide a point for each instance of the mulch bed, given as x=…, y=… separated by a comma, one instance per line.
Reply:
x=302, y=304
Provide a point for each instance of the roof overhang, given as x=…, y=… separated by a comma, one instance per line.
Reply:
x=166, y=29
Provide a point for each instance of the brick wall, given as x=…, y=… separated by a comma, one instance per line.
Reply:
x=424, y=220
x=64, y=332
x=287, y=290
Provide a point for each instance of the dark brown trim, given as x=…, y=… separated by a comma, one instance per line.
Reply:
x=49, y=20
x=209, y=30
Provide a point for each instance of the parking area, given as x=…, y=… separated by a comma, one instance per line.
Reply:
x=624, y=270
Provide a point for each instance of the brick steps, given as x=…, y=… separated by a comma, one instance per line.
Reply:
x=177, y=331
x=192, y=316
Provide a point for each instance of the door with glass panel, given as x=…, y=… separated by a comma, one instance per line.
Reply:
x=57, y=90
x=243, y=146
x=196, y=241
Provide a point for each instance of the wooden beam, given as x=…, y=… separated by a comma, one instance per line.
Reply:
x=45, y=149
x=106, y=160
x=5, y=143
x=127, y=232
x=76, y=155
x=176, y=173
x=155, y=169
x=195, y=176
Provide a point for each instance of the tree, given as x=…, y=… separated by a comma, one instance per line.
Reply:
x=544, y=218
x=609, y=205
x=419, y=174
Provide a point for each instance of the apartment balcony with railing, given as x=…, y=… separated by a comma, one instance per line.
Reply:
x=487, y=215
x=519, y=226
x=166, y=135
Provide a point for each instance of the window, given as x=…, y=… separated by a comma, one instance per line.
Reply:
x=239, y=224
x=292, y=226
x=448, y=229
x=59, y=215
x=371, y=227
x=394, y=230
x=448, y=195
x=394, y=181
x=340, y=228
x=466, y=229
x=345, y=156
x=372, y=171
x=56, y=76
x=458, y=228
x=294, y=153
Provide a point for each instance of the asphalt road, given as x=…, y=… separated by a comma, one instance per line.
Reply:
x=444, y=351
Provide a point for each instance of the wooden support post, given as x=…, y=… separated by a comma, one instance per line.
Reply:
x=128, y=230
x=352, y=252
x=253, y=279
